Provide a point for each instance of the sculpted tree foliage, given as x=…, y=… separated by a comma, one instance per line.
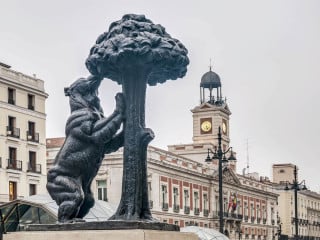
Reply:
x=135, y=52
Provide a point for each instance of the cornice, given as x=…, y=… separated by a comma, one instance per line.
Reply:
x=22, y=110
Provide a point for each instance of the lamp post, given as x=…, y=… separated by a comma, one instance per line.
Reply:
x=296, y=186
x=280, y=225
x=221, y=157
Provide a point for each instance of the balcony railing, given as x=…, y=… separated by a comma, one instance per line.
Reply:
x=205, y=212
x=13, y=132
x=14, y=164
x=176, y=208
x=31, y=107
x=35, y=168
x=186, y=210
x=32, y=136
x=11, y=101
x=196, y=211
x=150, y=204
x=228, y=215
x=165, y=206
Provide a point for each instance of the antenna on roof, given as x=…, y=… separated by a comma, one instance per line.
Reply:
x=247, y=156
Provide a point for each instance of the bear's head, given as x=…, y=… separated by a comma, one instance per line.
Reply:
x=83, y=93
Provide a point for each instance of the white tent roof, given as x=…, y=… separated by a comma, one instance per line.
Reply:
x=205, y=233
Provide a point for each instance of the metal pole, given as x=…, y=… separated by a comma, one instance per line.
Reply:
x=1, y=226
x=295, y=186
x=220, y=182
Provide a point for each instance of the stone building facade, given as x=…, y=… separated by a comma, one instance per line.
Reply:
x=308, y=205
x=22, y=135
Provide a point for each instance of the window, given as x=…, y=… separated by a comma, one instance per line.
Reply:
x=164, y=195
x=196, y=203
x=32, y=189
x=31, y=128
x=30, y=101
x=11, y=123
x=31, y=133
x=102, y=190
x=32, y=162
x=251, y=210
x=205, y=201
x=12, y=131
x=11, y=96
x=186, y=198
x=12, y=191
x=13, y=163
x=176, y=223
x=175, y=196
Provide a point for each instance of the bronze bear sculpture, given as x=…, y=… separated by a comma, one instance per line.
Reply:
x=89, y=135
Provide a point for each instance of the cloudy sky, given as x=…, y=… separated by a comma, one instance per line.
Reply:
x=267, y=54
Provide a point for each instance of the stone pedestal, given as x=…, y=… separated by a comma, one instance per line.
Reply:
x=133, y=234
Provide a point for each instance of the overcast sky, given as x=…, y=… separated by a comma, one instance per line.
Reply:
x=267, y=54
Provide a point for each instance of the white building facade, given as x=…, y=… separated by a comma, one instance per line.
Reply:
x=308, y=205
x=22, y=135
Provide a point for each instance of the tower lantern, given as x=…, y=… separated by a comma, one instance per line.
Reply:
x=211, y=81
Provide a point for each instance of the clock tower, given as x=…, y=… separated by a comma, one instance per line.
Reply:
x=212, y=112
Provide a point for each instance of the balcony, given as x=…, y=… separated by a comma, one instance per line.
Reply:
x=165, y=206
x=186, y=210
x=11, y=101
x=33, y=136
x=176, y=208
x=14, y=164
x=205, y=212
x=258, y=220
x=34, y=168
x=246, y=218
x=150, y=204
x=31, y=107
x=264, y=220
x=13, y=132
x=196, y=211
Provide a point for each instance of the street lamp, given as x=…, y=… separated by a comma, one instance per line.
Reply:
x=221, y=156
x=296, y=187
x=279, y=232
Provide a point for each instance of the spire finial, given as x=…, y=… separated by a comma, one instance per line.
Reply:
x=210, y=67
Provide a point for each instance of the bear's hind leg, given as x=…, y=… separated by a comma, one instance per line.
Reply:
x=86, y=205
x=68, y=194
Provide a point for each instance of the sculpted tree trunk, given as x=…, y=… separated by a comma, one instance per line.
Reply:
x=135, y=52
x=134, y=202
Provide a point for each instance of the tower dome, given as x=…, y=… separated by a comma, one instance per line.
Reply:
x=210, y=80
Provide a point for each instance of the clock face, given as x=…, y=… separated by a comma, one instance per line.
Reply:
x=206, y=126
x=224, y=127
